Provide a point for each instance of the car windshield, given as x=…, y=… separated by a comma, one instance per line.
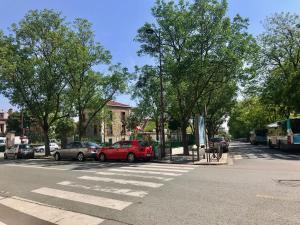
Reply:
x=1, y=141
x=24, y=146
x=295, y=125
x=143, y=143
x=91, y=144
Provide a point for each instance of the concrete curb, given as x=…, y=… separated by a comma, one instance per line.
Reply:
x=223, y=161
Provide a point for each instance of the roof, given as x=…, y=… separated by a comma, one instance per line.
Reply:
x=117, y=104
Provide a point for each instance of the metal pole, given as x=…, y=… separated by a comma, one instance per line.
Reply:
x=162, y=126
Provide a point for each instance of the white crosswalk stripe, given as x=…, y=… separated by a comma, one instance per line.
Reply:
x=83, y=198
x=146, y=172
x=102, y=179
x=121, y=181
x=49, y=213
x=128, y=192
x=162, y=167
x=134, y=175
x=177, y=165
x=157, y=169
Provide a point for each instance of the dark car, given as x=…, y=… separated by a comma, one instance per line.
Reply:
x=77, y=150
x=20, y=151
x=126, y=150
x=219, y=142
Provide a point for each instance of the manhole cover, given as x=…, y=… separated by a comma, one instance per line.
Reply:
x=291, y=183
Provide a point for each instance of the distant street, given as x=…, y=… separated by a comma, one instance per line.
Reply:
x=259, y=186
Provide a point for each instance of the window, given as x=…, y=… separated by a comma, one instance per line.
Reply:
x=1, y=128
x=123, y=131
x=109, y=130
x=122, y=116
x=126, y=144
x=295, y=125
x=1, y=115
x=111, y=115
x=76, y=145
x=116, y=145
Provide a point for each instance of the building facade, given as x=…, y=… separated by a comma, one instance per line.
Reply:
x=111, y=126
x=3, y=122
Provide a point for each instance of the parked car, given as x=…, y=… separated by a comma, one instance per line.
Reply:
x=53, y=146
x=19, y=151
x=126, y=150
x=219, y=142
x=77, y=150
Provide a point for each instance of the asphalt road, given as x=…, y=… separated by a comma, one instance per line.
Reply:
x=259, y=186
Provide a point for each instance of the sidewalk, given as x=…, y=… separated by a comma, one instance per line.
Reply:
x=179, y=158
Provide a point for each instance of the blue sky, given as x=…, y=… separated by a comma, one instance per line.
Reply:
x=115, y=22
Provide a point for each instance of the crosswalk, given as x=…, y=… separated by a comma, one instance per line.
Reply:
x=111, y=187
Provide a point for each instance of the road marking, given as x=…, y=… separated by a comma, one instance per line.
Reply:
x=156, y=169
x=36, y=167
x=275, y=198
x=119, y=191
x=49, y=213
x=236, y=157
x=51, y=168
x=121, y=181
x=146, y=172
x=134, y=175
x=168, y=164
x=83, y=198
x=163, y=167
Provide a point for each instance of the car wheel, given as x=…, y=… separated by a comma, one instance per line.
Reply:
x=102, y=157
x=5, y=156
x=80, y=157
x=130, y=157
x=42, y=150
x=57, y=156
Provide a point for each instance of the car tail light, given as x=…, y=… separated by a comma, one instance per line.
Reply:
x=92, y=150
x=289, y=140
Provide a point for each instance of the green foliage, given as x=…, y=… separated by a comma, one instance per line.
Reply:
x=32, y=66
x=280, y=47
x=14, y=123
x=251, y=114
x=150, y=126
x=200, y=46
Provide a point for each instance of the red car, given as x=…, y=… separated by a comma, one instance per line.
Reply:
x=126, y=150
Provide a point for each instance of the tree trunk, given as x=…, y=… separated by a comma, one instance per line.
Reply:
x=80, y=125
x=157, y=129
x=46, y=139
x=184, y=139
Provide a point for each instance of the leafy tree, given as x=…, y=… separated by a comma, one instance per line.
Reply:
x=249, y=114
x=90, y=91
x=65, y=128
x=199, y=45
x=32, y=66
x=219, y=104
x=147, y=92
x=280, y=54
x=14, y=123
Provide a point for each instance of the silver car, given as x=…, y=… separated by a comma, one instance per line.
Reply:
x=77, y=150
x=20, y=151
